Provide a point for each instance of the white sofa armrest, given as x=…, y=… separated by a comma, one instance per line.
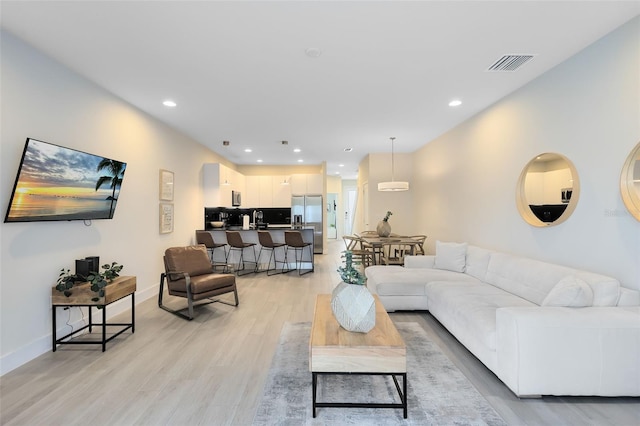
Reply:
x=569, y=351
x=419, y=261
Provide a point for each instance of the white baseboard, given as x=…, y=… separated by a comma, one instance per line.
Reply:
x=13, y=360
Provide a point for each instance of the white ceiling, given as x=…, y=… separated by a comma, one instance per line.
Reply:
x=238, y=70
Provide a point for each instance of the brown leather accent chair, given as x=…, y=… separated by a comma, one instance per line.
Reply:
x=189, y=274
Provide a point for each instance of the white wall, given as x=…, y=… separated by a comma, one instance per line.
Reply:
x=588, y=109
x=376, y=168
x=46, y=101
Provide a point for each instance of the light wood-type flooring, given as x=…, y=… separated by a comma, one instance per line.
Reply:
x=211, y=371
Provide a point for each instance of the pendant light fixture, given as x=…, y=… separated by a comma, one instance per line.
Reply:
x=393, y=185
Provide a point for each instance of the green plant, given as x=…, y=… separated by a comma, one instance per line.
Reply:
x=99, y=280
x=386, y=217
x=348, y=273
x=66, y=280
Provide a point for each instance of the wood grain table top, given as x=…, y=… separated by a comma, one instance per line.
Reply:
x=334, y=349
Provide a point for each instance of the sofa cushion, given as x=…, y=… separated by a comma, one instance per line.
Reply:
x=606, y=290
x=395, y=280
x=571, y=292
x=533, y=279
x=451, y=256
x=477, y=262
x=468, y=310
x=528, y=278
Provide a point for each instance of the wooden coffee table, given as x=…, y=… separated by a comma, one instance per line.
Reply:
x=334, y=350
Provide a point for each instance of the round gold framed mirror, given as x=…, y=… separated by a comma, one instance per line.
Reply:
x=630, y=182
x=548, y=190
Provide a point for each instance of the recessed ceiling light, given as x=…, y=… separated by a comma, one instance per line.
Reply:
x=340, y=165
x=248, y=150
x=300, y=160
x=169, y=103
x=297, y=150
x=337, y=173
x=313, y=52
x=259, y=160
x=348, y=149
x=455, y=103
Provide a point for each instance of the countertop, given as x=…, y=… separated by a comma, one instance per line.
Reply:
x=269, y=228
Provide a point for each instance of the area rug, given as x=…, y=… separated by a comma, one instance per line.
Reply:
x=438, y=393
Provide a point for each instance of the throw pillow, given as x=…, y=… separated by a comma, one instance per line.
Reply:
x=571, y=292
x=451, y=256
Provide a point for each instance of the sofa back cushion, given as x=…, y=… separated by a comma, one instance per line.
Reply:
x=606, y=290
x=450, y=256
x=533, y=279
x=477, y=262
x=571, y=292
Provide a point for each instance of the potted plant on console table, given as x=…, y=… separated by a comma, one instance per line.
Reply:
x=92, y=289
x=351, y=302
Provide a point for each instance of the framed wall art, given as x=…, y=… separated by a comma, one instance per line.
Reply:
x=166, y=185
x=166, y=218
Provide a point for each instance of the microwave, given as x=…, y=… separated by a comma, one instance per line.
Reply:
x=236, y=199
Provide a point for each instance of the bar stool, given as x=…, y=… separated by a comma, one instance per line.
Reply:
x=266, y=243
x=237, y=244
x=205, y=237
x=293, y=240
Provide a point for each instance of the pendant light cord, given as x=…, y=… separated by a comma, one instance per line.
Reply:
x=392, y=162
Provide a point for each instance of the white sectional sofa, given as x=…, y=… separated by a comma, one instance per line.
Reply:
x=543, y=329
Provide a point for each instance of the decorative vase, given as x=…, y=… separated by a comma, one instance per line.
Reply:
x=354, y=307
x=383, y=229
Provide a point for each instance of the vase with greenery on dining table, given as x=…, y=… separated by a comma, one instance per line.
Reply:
x=384, y=227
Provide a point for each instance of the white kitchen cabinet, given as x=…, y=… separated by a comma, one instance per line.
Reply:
x=303, y=184
x=251, y=196
x=281, y=192
x=219, y=182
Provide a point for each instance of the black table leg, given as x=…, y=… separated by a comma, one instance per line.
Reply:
x=315, y=382
x=104, y=328
x=53, y=325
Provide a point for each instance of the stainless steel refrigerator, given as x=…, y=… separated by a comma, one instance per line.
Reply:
x=309, y=210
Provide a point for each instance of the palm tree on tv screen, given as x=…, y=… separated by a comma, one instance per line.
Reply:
x=116, y=173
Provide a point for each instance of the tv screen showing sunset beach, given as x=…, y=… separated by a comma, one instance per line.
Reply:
x=58, y=183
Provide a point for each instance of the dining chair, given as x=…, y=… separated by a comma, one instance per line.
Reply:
x=393, y=253
x=419, y=248
x=362, y=255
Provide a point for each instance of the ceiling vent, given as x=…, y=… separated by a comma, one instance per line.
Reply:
x=510, y=62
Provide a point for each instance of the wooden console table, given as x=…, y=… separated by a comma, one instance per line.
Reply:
x=81, y=295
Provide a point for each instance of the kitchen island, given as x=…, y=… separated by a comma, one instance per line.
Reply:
x=251, y=236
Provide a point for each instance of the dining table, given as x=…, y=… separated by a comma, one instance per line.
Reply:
x=382, y=246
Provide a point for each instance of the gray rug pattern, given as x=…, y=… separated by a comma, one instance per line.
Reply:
x=438, y=393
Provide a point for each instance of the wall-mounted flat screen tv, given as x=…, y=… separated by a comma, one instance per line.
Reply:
x=58, y=183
